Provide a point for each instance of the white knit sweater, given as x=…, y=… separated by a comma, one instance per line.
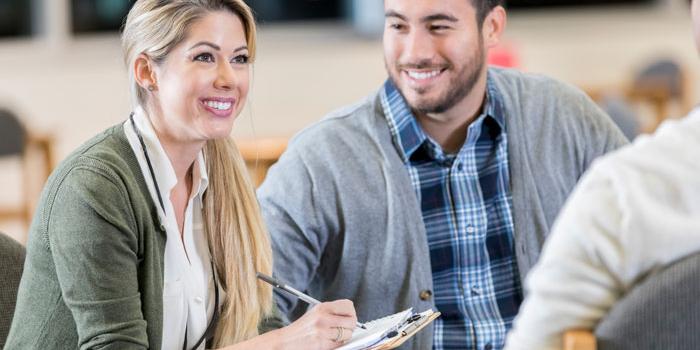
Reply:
x=636, y=210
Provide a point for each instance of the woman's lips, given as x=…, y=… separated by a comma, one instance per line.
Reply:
x=219, y=106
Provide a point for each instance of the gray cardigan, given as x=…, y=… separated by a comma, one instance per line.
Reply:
x=344, y=218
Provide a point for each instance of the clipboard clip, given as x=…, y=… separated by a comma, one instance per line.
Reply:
x=401, y=329
x=411, y=324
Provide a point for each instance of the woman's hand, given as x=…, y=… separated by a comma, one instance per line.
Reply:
x=325, y=326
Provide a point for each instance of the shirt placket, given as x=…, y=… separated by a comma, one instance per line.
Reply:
x=474, y=272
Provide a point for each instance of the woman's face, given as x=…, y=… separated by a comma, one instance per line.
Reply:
x=203, y=83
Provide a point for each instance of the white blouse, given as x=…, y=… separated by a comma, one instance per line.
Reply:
x=188, y=288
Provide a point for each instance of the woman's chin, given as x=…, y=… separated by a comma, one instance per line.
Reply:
x=219, y=134
x=219, y=129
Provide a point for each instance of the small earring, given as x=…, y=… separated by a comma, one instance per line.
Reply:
x=151, y=88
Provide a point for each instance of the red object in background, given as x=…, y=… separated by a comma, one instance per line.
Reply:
x=504, y=55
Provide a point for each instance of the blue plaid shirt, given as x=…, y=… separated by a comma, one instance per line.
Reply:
x=466, y=205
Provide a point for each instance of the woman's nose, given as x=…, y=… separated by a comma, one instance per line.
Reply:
x=225, y=77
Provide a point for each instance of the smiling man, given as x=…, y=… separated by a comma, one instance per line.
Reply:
x=438, y=190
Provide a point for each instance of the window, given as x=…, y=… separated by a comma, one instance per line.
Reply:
x=547, y=3
x=91, y=16
x=289, y=10
x=99, y=15
x=15, y=18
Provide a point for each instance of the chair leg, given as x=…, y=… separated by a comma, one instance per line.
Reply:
x=579, y=340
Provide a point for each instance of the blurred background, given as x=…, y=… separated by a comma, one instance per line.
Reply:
x=62, y=79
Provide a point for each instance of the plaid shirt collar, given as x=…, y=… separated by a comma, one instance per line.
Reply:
x=406, y=132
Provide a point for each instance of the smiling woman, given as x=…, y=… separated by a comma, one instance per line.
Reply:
x=149, y=235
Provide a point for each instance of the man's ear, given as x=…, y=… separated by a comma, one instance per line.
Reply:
x=144, y=72
x=494, y=26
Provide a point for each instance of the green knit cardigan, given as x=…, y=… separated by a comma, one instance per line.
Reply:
x=93, y=276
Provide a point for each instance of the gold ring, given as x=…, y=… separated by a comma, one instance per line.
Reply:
x=339, y=336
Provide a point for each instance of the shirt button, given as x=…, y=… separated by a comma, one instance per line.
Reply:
x=199, y=300
x=460, y=167
x=425, y=295
x=471, y=229
x=488, y=346
x=475, y=291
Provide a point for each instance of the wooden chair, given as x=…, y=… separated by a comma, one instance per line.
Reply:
x=260, y=154
x=579, y=340
x=659, y=86
x=36, y=152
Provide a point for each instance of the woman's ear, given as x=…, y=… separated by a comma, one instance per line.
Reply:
x=144, y=73
x=494, y=26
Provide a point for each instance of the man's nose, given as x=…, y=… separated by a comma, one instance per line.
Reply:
x=419, y=48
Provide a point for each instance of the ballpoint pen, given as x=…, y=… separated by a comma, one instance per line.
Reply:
x=279, y=285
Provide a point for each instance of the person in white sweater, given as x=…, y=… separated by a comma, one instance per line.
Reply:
x=636, y=210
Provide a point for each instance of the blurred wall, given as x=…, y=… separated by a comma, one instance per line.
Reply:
x=75, y=87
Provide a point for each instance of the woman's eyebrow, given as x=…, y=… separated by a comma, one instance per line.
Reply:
x=216, y=47
x=205, y=43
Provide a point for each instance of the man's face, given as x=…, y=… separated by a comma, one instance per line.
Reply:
x=433, y=50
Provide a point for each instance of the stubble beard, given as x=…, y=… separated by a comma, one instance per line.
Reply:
x=458, y=88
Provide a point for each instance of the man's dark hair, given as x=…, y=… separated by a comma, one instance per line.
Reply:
x=484, y=7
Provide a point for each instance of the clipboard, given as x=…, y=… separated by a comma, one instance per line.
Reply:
x=408, y=331
x=392, y=331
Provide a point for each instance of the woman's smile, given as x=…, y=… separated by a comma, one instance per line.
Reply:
x=221, y=107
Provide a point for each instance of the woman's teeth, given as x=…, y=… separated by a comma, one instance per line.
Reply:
x=218, y=105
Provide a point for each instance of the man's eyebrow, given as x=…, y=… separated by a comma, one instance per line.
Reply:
x=205, y=43
x=394, y=14
x=440, y=17
x=429, y=18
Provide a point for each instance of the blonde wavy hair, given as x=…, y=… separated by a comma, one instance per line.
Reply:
x=236, y=234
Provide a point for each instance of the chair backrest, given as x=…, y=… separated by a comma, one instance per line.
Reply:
x=260, y=154
x=660, y=312
x=12, y=134
x=662, y=74
x=11, y=266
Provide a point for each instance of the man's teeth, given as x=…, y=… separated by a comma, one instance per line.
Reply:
x=423, y=75
x=218, y=105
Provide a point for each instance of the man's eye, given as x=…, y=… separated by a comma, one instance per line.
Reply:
x=396, y=26
x=438, y=27
x=240, y=59
x=204, y=57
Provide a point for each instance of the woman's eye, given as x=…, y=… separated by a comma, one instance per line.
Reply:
x=240, y=59
x=204, y=57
